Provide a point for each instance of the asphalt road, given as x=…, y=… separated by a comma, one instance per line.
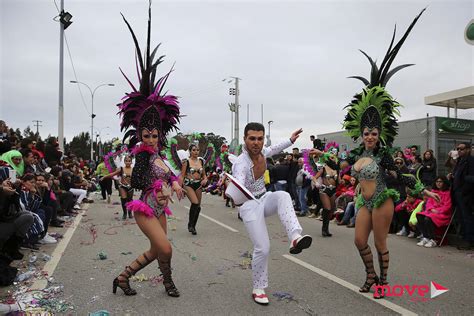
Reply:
x=212, y=273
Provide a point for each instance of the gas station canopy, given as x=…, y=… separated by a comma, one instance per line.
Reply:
x=456, y=99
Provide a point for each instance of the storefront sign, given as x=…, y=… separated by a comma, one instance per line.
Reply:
x=455, y=125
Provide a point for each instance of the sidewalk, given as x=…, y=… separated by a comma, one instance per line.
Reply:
x=34, y=290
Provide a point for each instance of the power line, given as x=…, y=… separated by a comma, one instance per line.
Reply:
x=75, y=75
x=72, y=65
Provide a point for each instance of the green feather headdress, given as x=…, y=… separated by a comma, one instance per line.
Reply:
x=374, y=107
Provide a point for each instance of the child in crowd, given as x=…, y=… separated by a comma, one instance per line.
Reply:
x=403, y=212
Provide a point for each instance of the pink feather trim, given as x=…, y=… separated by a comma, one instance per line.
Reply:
x=331, y=145
x=112, y=155
x=157, y=185
x=140, y=206
x=167, y=211
x=142, y=147
x=307, y=164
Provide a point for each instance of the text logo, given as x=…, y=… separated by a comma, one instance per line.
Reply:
x=416, y=292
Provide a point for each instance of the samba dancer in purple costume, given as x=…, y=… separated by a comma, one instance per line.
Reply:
x=148, y=116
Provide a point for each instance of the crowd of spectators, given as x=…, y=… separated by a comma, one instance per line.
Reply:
x=40, y=187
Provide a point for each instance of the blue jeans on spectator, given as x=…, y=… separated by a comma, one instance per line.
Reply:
x=303, y=203
x=348, y=213
x=466, y=217
x=353, y=218
x=294, y=194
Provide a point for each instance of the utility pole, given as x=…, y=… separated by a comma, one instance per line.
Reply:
x=236, y=124
x=248, y=113
x=231, y=125
x=37, y=125
x=61, y=84
x=64, y=22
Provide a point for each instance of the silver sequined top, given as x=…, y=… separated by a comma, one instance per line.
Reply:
x=242, y=169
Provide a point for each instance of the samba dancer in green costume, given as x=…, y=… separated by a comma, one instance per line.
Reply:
x=371, y=114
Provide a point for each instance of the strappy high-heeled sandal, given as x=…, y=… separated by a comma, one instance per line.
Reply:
x=384, y=260
x=170, y=287
x=124, y=284
x=126, y=274
x=371, y=278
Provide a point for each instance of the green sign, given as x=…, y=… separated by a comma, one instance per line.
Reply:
x=469, y=33
x=457, y=126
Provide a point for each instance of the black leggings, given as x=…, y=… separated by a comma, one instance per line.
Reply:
x=402, y=217
x=426, y=226
x=106, y=187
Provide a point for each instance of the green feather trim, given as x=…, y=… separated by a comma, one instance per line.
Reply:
x=360, y=201
x=419, y=186
x=168, y=153
x=324, y=158
x=379, y=199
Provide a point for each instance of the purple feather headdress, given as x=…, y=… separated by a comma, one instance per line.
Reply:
x=149, y=107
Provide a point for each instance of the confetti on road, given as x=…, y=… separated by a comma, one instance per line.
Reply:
x=92, y=231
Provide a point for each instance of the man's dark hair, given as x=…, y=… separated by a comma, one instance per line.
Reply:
x=25, y=142
x=312, y=136
x=56, y=170
x=253, y=126
x=467, y=144
x=28, y=177
x=296, y=148
x=25, y=152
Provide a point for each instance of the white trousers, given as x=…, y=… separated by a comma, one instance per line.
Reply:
x=79, y=193
x=253, y=214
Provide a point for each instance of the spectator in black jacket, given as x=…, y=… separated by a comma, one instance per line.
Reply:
x=428, y=169
x=14, y=222
x=280, y=173
x=462, y=193
x=52, y=155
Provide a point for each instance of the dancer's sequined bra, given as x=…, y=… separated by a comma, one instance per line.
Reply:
x=372, y=172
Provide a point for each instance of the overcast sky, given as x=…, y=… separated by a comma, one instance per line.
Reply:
x=292, y=56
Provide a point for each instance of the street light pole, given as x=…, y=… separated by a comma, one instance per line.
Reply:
x=237, y=105
x=92, y=111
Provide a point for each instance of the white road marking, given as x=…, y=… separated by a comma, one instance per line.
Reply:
x=394, y=307
x=51, y=265
x=215, y=221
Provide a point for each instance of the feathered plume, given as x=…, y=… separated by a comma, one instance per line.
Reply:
x=374, y=107
x=135, y=108
x=380, y=76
